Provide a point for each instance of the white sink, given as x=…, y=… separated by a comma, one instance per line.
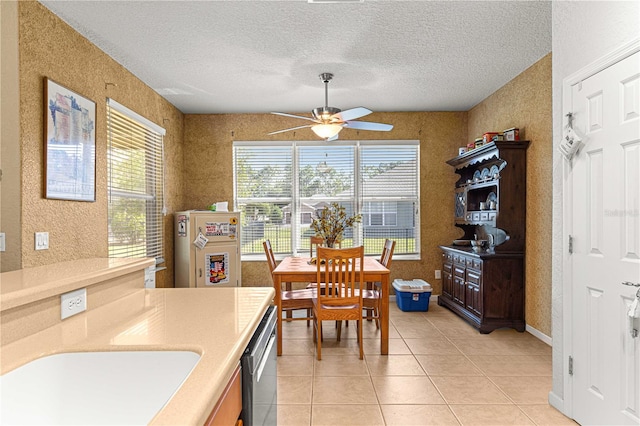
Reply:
x=126, y=387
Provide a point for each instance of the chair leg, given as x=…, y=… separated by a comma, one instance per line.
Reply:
x=308, y=316
x=369, y=314
x=376, y=313
x=359, y=325
x=319, y=340
x=339, y=327
x=315, y=330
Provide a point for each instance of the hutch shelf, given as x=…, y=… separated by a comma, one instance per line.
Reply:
x=486, y=286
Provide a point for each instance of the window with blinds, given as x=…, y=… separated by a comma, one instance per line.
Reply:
x=280, y=187
x=135, y=184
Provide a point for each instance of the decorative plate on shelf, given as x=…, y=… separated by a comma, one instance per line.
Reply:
x=494, y=171
x=476, y=175
x=492, y=197
x=484, y=174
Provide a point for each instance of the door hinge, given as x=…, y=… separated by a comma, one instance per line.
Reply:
x=570, y=244
x=570, y=365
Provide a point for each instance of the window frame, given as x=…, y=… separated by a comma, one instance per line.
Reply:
x=296, y=199
x=154, y=172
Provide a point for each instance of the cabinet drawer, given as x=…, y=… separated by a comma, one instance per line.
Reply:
x=484, y=216
x=474, y=277
x=475, y=216
x=477, y=264
x=447, y=267
x=446, y=256
x=458, y=271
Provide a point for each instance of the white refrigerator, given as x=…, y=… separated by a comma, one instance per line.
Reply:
x=207, y=249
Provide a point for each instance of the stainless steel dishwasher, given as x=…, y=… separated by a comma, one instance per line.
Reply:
x=259, y=375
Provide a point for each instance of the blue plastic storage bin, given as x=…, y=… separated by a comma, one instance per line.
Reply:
x=412, y=295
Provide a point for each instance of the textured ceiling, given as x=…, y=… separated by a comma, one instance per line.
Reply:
x=260, y=56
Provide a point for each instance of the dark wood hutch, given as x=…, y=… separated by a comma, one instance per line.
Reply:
x=486, y=286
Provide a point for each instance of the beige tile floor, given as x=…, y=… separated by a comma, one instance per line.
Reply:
x=439, y=371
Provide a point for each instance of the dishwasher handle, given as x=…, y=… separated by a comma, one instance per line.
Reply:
x=265, y=356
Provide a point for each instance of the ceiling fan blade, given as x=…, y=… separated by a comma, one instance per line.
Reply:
x=284, y=114
x=352, y=114
x=292, y=128
x=367, y=125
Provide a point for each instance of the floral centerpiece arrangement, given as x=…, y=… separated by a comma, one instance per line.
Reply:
x=331, y=222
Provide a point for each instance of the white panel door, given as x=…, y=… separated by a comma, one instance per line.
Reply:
x=605, y=226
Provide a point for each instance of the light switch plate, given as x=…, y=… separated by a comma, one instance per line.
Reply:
x=42, y=240
x=438, y=274
x=73, y=303
x=3, y=246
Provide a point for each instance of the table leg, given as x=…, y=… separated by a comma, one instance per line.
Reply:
x=384, y=316
x=278, y=287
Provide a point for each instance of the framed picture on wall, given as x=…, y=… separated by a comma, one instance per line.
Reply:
x=70, y=144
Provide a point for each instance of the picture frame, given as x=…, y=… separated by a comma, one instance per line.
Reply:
x=70, y=144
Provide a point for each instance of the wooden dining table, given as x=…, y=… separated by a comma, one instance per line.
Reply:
x=300, y=270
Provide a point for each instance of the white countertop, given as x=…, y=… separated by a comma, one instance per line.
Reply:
x=216, y=323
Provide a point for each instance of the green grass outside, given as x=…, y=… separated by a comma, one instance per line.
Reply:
x=280, y=238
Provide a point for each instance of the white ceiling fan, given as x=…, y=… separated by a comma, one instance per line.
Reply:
x=329, y=121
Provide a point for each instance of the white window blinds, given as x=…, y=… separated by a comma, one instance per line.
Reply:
x=390, y=194
x=135, y=184
x=264, y=194
x=280, y=187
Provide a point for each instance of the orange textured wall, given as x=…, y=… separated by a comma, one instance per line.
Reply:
x=208, y=158
x=50, y=48
x=525, y=103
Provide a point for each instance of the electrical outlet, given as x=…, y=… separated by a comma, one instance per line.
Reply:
x=73, y=303
x=438, y=274
x=42, y=240
x=3, y=246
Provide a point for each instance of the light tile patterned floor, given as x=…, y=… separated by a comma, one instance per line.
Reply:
x=439, y=371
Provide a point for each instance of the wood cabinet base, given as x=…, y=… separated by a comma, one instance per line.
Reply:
x=487, y=290
x=484, y=326
x=227, y=410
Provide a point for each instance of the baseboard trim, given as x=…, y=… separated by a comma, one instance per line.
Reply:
x=540, y=335
x=556, y=402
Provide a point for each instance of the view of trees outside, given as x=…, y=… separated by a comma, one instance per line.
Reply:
x=135, y=201
x=265, y=196
x=127, y=216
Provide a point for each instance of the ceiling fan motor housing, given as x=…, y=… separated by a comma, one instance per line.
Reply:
x=329, y=120
x=324, y=113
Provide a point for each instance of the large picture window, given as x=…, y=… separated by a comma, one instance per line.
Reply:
x=280, y=187
x=135, y=184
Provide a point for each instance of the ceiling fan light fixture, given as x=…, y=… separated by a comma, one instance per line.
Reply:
x=329, y=120
x=326, y=131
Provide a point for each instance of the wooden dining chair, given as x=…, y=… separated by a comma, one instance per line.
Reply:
x=314, y=243
x=342, y=275
x=371, y=297
x=291, y=300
